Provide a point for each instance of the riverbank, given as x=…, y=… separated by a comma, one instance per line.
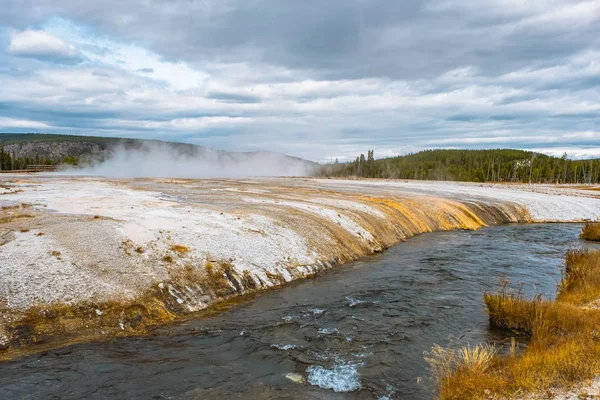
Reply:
x=91, y=258
x=365, y=324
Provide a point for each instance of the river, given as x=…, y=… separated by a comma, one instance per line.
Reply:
x=356, y=332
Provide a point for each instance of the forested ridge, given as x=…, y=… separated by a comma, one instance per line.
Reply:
x=498, y=165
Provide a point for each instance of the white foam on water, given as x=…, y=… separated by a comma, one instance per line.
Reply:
x=327, y=331
x=340, y=378
x=363, y=354
x=352, y=302
x=284, y=346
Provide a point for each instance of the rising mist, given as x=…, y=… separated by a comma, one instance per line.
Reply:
x=167, y=160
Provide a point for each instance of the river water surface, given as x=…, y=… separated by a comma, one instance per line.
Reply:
x=357, y=332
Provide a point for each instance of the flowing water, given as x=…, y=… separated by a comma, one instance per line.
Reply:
x=357, y=332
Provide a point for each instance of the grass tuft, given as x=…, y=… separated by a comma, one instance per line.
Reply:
x=580, y=283
x=591, y=231
x=180, y=249
x=467, y=367
x=476, y=359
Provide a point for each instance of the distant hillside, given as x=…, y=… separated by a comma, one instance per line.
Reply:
x=501, y=165
x=17, y=151
x=22, y=138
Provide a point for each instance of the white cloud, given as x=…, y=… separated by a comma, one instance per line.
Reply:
x=43, y=46
x=138, y=60
x=21, y=123
x=188, y=124
x=572, y=152
x=129, y=57
x=579, y=13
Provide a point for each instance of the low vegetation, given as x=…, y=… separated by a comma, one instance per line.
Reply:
x=581, y=277
x=591, y=231
x=10, y=213
x=564, y=347
x=180, y=249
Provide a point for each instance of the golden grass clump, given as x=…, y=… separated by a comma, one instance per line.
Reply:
x=476, y=359
x=178, y=248
x=564, y=348
x=466, y=366
x=591, y=231
x=581, y=277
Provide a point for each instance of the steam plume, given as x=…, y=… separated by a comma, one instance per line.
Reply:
x=164, y=160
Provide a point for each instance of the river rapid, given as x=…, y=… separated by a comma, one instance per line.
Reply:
x=356, y=332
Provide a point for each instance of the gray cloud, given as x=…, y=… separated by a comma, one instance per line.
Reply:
x=233, y=97
x=315, y=79
x=348, y=38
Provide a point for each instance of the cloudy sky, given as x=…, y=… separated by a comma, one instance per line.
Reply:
x=316, y=79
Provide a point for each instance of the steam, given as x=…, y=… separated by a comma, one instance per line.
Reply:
x=169, y=160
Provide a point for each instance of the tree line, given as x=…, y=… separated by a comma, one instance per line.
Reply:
x=502, y=165
x=9, y=162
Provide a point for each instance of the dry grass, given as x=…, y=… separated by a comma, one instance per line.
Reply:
x=581, y=277
x=476, y=359
x=56, y=254
x=468, y=365
x=10, y=218
x=591, y=231
x=180, y=249
x=564, y=347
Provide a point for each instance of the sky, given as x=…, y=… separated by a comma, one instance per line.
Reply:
x=314, y=79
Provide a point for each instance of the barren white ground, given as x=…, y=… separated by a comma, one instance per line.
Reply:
x=94, y=239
